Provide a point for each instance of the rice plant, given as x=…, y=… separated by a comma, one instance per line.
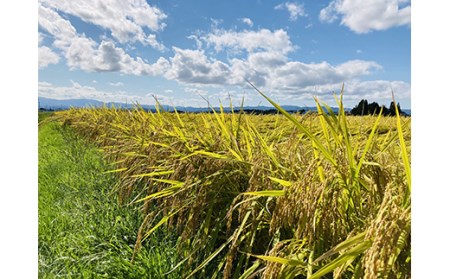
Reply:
x=322, y=195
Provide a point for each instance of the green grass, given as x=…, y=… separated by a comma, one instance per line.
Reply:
x=42, y=115
x=83, y=231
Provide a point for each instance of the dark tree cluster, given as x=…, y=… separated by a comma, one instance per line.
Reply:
x=364, y=108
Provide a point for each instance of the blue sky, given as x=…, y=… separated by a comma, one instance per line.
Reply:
x=183, y=52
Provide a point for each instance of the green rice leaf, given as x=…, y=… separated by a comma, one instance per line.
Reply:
x=343, y=259
x=312, y=137
x=280, y=260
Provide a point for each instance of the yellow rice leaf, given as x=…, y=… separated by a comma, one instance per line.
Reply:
x=117, y=170
x=266, y=193
x=235, y=154
x=206, y=153
x=172, y=182
x=155, y=173
x=160, y=194
x=211, y=154
x=280, y=181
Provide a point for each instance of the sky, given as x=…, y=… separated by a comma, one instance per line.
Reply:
x=185, y=53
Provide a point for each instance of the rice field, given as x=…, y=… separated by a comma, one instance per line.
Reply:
x=318, y=195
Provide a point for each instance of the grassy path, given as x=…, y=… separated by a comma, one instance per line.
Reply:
x=83, y=232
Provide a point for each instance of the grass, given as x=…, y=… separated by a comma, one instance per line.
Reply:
x=83, y=231
x=42, y=115
x=319, y=195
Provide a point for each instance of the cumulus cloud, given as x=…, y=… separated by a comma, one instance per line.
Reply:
x=295, y=10
x=198, y=42
x=125, y=19
x=298, y=75
x=109, y=58
x=60, y=28
x=86, y=54
x=40, y=38
x=357, y=67
x=269, y=69
x=247, y=21
x=329, y=13
x=193, y=66
x=285, y=80
x=46, y=56
x=250, y=41
x=364, y=16
x=354, y=91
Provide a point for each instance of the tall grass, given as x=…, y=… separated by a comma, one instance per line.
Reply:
x=278, y=196
x=83, y=232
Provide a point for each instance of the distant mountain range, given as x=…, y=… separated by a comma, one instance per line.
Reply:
x=53, y=104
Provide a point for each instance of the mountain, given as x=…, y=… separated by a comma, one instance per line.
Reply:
x=65, y=104
x=53, y=104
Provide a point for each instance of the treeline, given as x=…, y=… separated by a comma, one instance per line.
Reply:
x=364, y=108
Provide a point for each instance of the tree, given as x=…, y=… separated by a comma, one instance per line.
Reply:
x=361, y=108
x=364, y=108
x=392, y=109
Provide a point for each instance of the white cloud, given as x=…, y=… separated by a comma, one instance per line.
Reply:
x=270, y=69
x=125, y=19
x=193, y=66
x=117, y=84
x=60, y=28
x=374, y=91
x=79, y=91
x=198, y=42
x=354, y=68
x=46, y=57
x=363, y=16
x=299, y=75
x=266, y=60
x=251, y=41
x=247, y=21
x=295, y=10
x=329, y=14
x=216, y=22
x=75, y=91
x=285, y=80
x=196, y=91
x=86, y=54
x=40, y=38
